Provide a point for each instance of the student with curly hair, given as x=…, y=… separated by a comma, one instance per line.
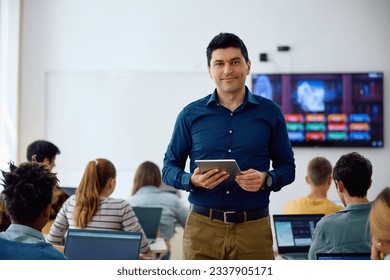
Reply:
x=27, y=195
x=44, y=152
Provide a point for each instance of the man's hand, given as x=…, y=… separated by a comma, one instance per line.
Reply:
x=209, y=179
x=251, y=180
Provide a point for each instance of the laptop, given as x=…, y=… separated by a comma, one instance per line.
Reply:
x=344, y=256
x=82, y=244
x=149, y=219
x=294, y=234
x=69, y=190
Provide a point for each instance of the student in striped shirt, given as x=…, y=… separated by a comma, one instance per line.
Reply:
x=93, y=208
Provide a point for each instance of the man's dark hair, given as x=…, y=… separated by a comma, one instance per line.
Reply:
x=355, y=172
x=223, y=41
x=41, y=149
x=28, y=190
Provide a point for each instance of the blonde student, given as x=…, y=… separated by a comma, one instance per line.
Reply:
x=93, y=208
x=319, y=179
x=380, y=226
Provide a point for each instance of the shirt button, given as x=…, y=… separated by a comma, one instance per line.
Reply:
x=231, y=114
x=230, y=131
x=229, y=151
x=227, y=192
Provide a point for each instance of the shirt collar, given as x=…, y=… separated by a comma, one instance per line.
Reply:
x=25, y=233
x=249, y=97
x=148, y=189
x=357, y=206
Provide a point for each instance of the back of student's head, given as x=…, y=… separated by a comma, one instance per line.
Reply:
x=380, y=216
x=41, y=149
x=95, y=177
x=355, y=172
x=319, y=170
x=28, y=190
x=223, y=41
x=147, y=174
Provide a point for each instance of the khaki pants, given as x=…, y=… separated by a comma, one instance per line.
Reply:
x=206, y=239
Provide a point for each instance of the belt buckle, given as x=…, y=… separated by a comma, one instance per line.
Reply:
x=225, y=216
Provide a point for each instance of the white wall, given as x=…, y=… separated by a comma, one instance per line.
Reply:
x=9, y=80
x=172, y=35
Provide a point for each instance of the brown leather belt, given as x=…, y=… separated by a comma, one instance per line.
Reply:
x=231, y=216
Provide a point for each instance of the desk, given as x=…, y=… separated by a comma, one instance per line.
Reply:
x=159, y=246
x=59, y=248
x=46, y=228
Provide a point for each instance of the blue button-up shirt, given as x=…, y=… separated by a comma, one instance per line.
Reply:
x=254, y=134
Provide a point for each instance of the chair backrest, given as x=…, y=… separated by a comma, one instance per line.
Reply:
x=102, y=245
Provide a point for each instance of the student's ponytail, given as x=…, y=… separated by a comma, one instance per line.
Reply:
x=96, y=175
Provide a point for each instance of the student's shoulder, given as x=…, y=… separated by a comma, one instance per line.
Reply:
x=113, y=200
x=333, y=219
x=53, y=253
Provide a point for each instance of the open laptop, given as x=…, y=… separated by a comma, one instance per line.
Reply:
x=149, y=219
x=84, y=244
x=69, y=190
x=344, y=256
x=294, y=234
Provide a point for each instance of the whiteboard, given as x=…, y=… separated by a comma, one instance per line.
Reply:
x=126, y=117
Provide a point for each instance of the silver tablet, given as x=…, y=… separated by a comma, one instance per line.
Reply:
x=229, y=165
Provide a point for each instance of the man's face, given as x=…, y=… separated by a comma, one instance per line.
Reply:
x=50, y=164
x=229, y=70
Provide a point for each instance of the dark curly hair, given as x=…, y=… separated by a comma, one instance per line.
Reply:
x=28, y=190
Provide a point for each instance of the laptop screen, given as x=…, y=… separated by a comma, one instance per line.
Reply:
x=149, y=219
x=294, y=232
x=102, y=245
x=344, y=256
x=69, y=190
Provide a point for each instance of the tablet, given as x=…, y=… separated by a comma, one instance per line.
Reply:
x=229, y=165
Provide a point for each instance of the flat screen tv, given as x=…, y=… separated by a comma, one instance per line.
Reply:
x=328, y=109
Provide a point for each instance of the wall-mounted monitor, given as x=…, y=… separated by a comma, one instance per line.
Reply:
x=328, y=109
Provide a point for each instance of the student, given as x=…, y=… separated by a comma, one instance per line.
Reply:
x=45, y=152
x=380, y=226
x=147, y=192
x=319, y=179
x=93, y=208
x=229, y=219
x=27, y=195
x=347, y=230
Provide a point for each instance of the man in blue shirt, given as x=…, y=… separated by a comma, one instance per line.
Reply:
x=347, y=230
x=27, y=194
x=229, y=218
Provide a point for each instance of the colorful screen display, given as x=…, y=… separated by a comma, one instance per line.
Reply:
x=328, y=109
